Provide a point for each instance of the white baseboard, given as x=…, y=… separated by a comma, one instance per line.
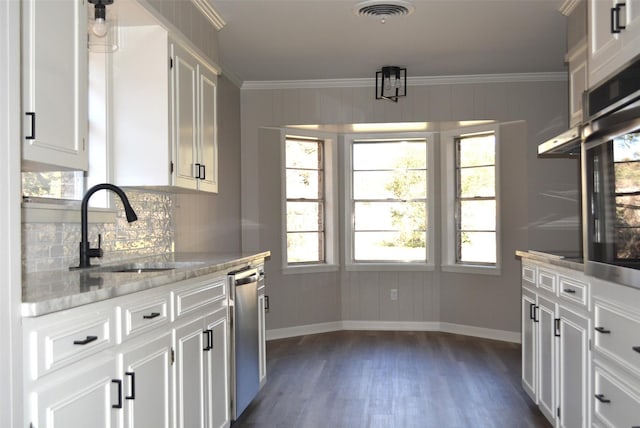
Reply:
x=282, y=333
x=466, y=330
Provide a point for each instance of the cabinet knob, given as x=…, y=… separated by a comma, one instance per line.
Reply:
x=601, y=398
x=603, y=330
x=569, y=290
x=151, y=316
x=636, y=348
x=86, y=340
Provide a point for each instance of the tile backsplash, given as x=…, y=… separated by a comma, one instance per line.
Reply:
x=54, y=246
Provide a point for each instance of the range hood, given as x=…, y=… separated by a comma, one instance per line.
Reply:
x=564, y=145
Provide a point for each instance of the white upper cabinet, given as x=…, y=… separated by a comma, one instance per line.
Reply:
x=614, y=36
x=164, y=125
x=54, y=100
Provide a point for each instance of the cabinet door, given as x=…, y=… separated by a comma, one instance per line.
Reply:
x=217, y=359
x=79, y=397
x=55, y=83
x=184, y=116
x=190, y=341
x=146, y=374
x=631, y=13
x=578, y=78
x=208, y=147
x=573, y=388
x=546, y=390
x=529, y=348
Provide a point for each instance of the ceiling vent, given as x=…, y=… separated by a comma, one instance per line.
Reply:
x=383, y=9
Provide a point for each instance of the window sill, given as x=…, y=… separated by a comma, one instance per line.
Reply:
x=292, y=270
x=36, y=212
x=384, y=267
x=474, y=269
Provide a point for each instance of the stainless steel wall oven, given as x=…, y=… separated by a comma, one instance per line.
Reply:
x=611, y=179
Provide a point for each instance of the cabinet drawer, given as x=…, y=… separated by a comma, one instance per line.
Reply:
x=617, y=334
x=58, y=340
x=574, y=290
x=615, y=402
x=143, y=315
x=547, y=280
x=203, y=293
x=529, y=274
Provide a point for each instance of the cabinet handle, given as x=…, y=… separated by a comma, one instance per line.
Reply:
x=601, y=398
x=85, y=341
x=531, y=315
x=556, y=330
x=132, y=376
x=203, y=172
x=151, y=316
x=615, y=19
x=266, y=303
x=569, y=290
x=603, y=330
x=535, y=313
x=32, y=114
x=636, y=348
x=118, y=405
x=197, y=170
x=208, y=340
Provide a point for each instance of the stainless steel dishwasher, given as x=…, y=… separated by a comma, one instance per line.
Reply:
x=245, y=376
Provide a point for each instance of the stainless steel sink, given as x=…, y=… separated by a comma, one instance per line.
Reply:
x=145, y=267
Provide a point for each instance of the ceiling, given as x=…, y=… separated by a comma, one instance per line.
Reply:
x=270, y=40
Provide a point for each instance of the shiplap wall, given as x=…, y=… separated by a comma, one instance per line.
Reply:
x=531, y=203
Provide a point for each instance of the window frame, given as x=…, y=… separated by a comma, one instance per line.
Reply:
x=449, y=199
x=349, y=227
x=331, y=252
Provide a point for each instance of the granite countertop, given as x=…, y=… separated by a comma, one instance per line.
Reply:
x=557, y=258
x=52, y=291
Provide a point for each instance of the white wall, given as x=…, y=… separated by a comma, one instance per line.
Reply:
x=490, y=302
x=10, y=286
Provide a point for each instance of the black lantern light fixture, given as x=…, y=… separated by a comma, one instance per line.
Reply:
x=391, y=83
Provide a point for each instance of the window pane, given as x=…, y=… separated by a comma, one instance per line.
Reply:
x=304, y=216
x=55, y=184
x=304, y=247
x=395, y=246
x=627, y=177
x=478, y=215
x=478, y=247
x=303, y=154
x=477, y=182
x=389, y=155
x=625, y=147
x=405, y=216
x=390, y=184
x=477, y=150
x=303, y=184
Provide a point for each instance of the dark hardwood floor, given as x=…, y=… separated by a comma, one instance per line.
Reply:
x=351, y=379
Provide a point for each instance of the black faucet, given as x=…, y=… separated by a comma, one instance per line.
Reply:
x=86, y=252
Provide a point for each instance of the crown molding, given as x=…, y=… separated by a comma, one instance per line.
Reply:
x=411, y=81
x=210, y=13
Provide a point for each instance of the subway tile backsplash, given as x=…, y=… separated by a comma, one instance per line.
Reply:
x=54, y=246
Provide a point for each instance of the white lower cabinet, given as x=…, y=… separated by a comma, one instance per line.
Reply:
x=145, y=370
x=154, y=359
x=80, y=396
x=573, y=368
x=555, y=345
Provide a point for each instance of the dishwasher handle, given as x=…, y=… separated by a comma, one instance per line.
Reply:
x=247, y=280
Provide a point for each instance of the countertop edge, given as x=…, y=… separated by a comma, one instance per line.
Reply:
x=551, y=259
x=208, y=263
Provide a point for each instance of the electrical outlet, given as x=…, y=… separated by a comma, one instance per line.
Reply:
x=394, y=294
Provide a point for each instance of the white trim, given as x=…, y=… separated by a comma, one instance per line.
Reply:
x=465, y=330
x=282, y=333
x=305, y=269
x=51, y=213
x=389, y=266
x=485, y=333
x=474, y=269
x=411, y=81
x=210, y=13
